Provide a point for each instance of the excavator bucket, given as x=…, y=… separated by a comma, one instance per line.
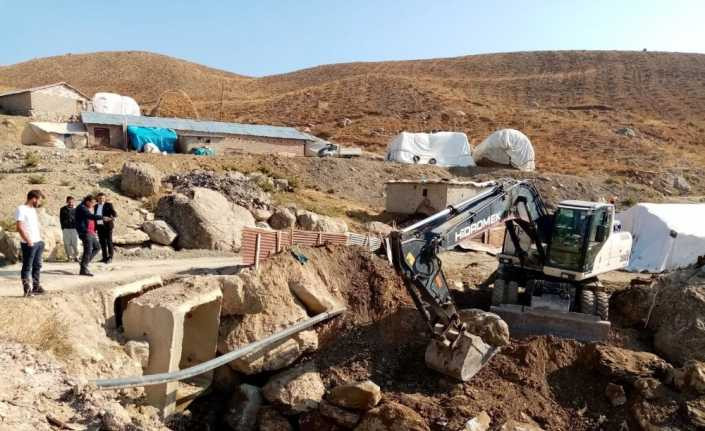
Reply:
x=461, y=360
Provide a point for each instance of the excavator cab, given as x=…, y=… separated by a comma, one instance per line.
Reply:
x=580, y=229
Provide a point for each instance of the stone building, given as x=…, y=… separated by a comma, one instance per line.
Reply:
x=53, y=102
x=225, y=138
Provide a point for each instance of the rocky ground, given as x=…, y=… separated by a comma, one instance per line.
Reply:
x=176, y=206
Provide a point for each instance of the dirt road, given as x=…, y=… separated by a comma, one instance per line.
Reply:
x=62, y=276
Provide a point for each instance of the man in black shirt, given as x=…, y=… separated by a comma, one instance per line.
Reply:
x=105, y=227
x=67, y=217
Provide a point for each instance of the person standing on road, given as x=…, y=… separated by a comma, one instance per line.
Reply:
x=67, y=217
x=105, y=227
x=27, y=223
x=86, y=228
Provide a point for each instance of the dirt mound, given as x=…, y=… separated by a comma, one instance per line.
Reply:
x=235, y=186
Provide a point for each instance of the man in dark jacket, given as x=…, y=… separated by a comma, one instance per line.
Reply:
x=105, y=228
x=86, y=227
x=67, y=217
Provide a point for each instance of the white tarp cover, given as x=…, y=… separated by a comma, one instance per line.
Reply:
x=507, y=147
x=110, y=103
x=665, y=236
x=441, y=148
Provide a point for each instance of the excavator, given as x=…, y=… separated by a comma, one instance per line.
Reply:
x=549, y=263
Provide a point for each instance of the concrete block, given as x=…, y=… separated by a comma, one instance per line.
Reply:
x=115, y=298
x=180, y=323
x=525, y=321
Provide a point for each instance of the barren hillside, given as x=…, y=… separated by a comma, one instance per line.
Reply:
x=569, y=103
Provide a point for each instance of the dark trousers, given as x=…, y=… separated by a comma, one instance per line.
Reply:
x=32, y=261
x=90, y=249
x=105, y=236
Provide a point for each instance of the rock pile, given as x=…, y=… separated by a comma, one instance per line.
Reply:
x=237, y=188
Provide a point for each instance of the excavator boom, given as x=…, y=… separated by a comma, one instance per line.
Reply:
x=415, y=250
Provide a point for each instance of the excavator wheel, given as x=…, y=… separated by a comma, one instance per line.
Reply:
x=587, y=302
x=602, y=300
x=498, y=291
x=511, y=293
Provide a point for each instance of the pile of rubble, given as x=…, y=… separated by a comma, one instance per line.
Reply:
x=244, y=190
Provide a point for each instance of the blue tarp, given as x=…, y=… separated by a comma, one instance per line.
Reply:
x=164, y=139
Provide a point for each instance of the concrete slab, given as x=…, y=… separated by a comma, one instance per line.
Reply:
x=115, y=299
x=524, y=321
x=180, y=322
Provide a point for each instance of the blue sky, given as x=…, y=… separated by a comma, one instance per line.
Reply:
x=264, y=37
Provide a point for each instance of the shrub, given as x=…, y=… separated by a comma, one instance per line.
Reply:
x=31, y=160
x=8, y=225
x=65, y=183
x=37, y=179
x=629, y=202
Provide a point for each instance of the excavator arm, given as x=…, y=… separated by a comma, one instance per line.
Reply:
x=415, y=249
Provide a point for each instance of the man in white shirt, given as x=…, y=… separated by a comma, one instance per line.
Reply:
x=27, y=222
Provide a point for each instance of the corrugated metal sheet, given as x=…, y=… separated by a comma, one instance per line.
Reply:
x=273, y=241
x=184, y=124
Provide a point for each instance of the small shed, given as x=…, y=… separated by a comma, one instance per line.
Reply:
x=53, y=102
x=428, y=196
x=111, y=130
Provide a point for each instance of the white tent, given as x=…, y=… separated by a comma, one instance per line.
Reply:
x=665, y=236
x=110, y=103
x=507, y=147
x=442, y=149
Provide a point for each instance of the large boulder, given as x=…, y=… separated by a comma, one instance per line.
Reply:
x=297, y=390
x=51, y=235
x=159, y=231
x=360, y=396
x=673, y=308
x=205, y=219
x=130, y=237
x=282, y=218
x=488, y=326
x=279, y=310
x=308, y=220
x=243, y=408
x=140, y=179
x=10, y=246
x=239, y=297
x=625, y=366
x=379, y=228
x=311, y=291
x=392, y=416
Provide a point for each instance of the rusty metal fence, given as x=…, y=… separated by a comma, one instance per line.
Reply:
x=260, y=244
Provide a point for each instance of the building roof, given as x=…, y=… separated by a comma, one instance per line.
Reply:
x=187, y=125
x=445, y=181
x=41, y=87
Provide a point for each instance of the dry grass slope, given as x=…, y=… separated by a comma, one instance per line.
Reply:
x=569, y=102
